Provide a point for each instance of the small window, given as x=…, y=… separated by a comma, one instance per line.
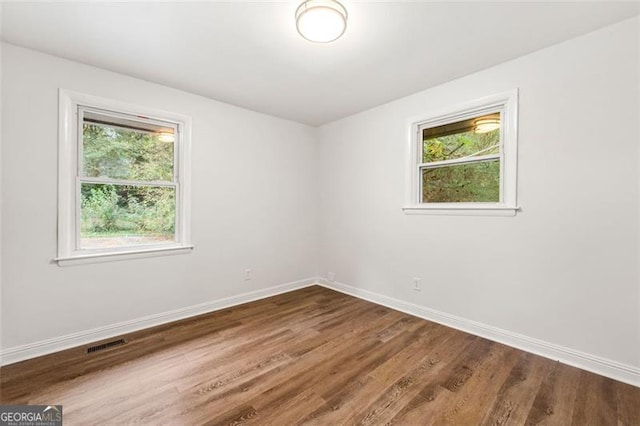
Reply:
x=123, y=181
x=465, y=160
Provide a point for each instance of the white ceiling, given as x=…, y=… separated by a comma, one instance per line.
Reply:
x=250, y=55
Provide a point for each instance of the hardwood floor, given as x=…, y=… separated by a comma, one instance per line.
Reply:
x=315, y=357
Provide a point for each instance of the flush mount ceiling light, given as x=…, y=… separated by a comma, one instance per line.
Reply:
x=321, y=21
x=485, y=125
x=166, y=137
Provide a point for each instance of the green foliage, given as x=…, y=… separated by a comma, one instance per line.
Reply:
x=125, y=154
x=110, y=209
x=460, y=145
x=152, y=210
x=474, y=182
x=126, y=209
x=99, y=207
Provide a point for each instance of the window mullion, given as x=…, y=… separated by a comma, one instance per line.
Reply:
x=109, y=181
x=465, y=160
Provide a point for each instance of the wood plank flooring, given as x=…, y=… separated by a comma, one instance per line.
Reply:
x=315, y=357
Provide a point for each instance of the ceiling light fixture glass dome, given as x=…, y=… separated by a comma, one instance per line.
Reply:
x=486, y=125
x=321, y=21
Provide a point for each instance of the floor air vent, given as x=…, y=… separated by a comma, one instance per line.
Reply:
x=96, y=348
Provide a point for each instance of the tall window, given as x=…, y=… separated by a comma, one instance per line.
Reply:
x=123, y=180
x=465, y=160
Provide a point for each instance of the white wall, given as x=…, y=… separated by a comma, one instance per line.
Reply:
x=565, y=269
x=1, y=107
x=254, y=192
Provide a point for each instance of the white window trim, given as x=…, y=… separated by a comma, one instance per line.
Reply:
x=69, y=102
x=507, y=104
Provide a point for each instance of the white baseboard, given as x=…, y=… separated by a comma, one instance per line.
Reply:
x=605, y=367
x=44, y=347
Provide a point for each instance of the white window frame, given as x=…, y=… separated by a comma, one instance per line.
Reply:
x=507, y=105
x=71, y=105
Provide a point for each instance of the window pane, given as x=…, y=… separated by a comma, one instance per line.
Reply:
x=120, y=153
x=125, y=215
x=474, y=182
x=465, y=138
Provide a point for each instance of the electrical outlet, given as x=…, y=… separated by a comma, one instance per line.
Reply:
x=416, y=284
x=248, y=274
x=331, y=276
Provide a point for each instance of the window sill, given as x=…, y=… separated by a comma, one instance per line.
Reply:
x=462, y=210
x=82, y=259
